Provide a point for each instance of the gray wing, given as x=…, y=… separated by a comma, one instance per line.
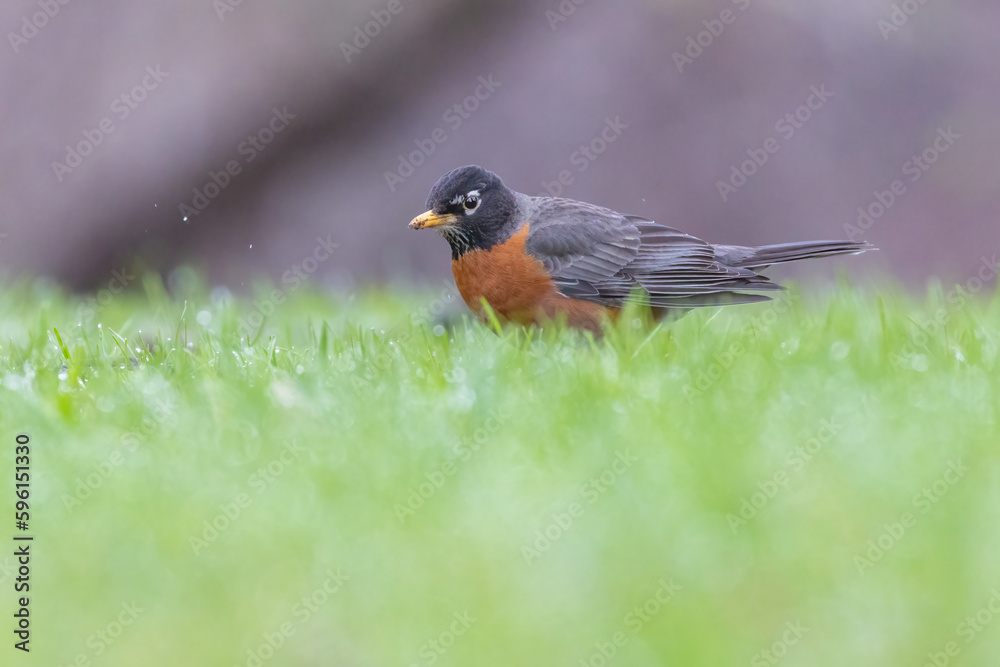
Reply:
x=598, y=255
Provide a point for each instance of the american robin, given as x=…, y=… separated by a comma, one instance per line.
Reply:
x=537, y=259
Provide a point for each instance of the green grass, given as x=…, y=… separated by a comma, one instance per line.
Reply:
x=415, y=473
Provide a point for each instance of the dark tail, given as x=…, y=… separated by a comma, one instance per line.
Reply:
x=765, y=255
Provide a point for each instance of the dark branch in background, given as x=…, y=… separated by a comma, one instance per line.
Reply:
x=360, y=99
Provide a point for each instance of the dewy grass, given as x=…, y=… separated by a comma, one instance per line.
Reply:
x=811, y=481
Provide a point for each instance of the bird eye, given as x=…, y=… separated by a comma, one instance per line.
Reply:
x=471, y=203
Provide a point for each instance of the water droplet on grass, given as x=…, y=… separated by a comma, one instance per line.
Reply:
x=787, y=348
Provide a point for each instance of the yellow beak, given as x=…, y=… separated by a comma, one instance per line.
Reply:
x=432, y=219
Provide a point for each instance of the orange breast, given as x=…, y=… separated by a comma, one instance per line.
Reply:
x=518, y=288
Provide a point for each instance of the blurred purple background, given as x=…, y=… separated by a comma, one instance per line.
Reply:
x=309, y=113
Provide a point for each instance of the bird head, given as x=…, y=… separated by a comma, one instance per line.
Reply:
x=471, y=207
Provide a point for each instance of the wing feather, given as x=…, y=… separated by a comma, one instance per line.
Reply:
x=598, y=255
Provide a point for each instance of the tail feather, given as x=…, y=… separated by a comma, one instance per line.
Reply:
x=765, y=255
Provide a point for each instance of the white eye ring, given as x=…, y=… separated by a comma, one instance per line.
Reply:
x=473, y=198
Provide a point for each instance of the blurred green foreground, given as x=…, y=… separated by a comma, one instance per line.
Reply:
x=813, y=481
